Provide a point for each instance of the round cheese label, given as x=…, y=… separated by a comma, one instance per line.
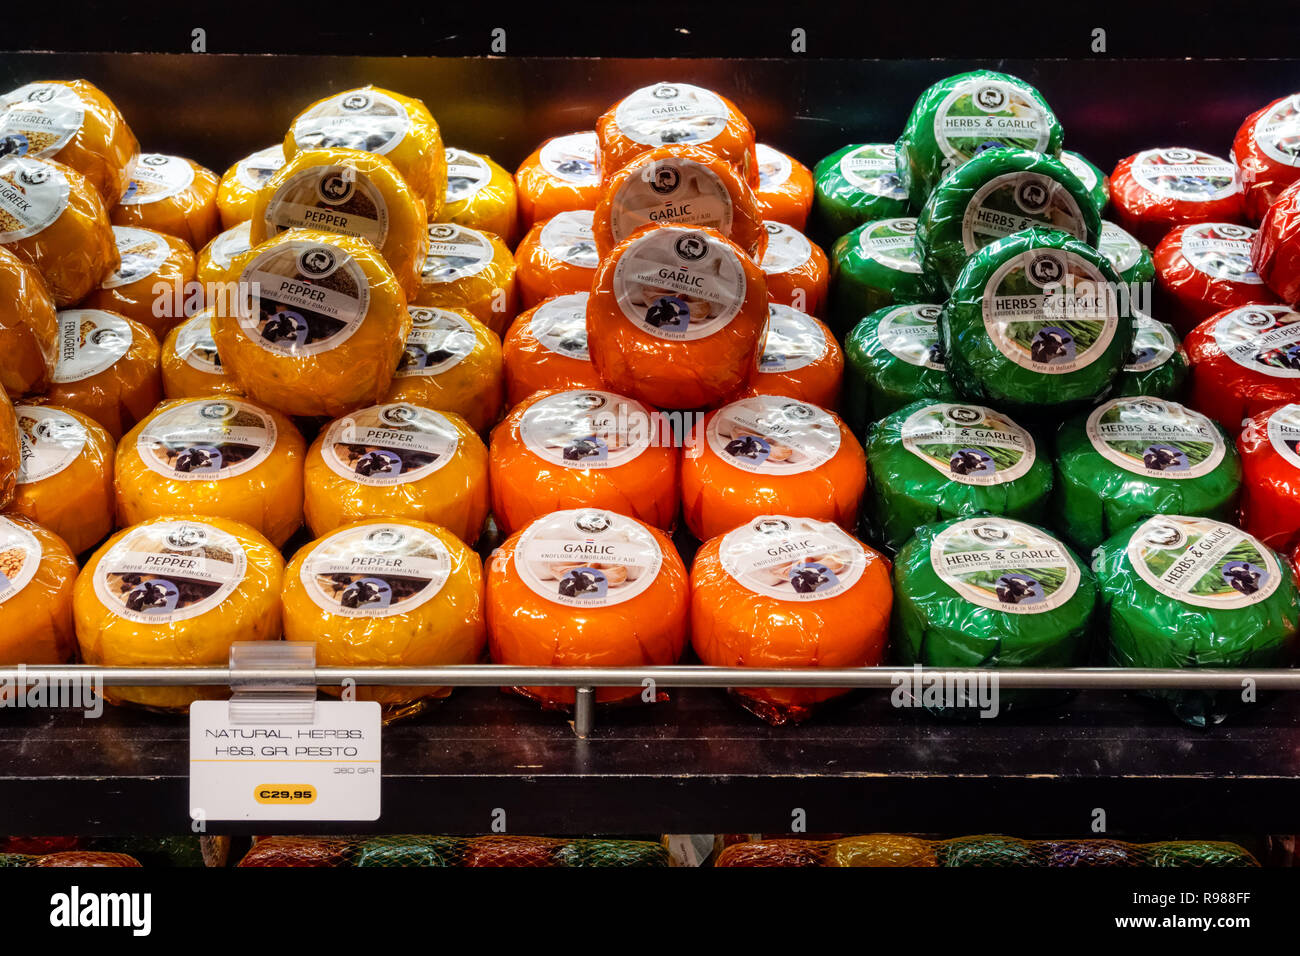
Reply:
x=1203, y=562
x=20, y=556
x=1278, y=131
x=467, y=173
x=196, y=346
x=1119, y=247
x=560, y=325
x=143, y=253
x=911, y=333
x=233, y=242
x=255, y=170
x=32, y=196
x=1153, y=344
x=979, y=112
x=787, y=248
x=155, y=177
x=389, y=444
x=1284, y=433
x=586, y=429
x=587, y=558
x=335, y=199
x=774, y=167
x=1188, y=175
x=1155, y=439
x=39, y=119
x=1082, y=171
x=49, y=441
x=892, y=243
x=679, y=285
x=439, y=341
x=1262, y=338
x=969, y=444
x=1220, y=250
x=90, y=341
x=567, y=237
x=668, y=114
x=206, y=440
x=362, y=119
x=793, y=340
x=1022, y=200
x=375, y=570
x=792, y=559
x=455, y=252
x=873, y=168
x=305, y=298
x=572, y=159
x=670, y=191
x=773, y=435
x=1005, y=565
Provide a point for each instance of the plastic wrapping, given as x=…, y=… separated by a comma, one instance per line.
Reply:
x=786, y=591
x=557, y=257
x=550, y=605
x=1093, y=179
x=797, y=271
x=401, y=461
x=37, y=572
x=676, y=316
x=399, y=128
x=893, y=358
x=326, y=330
x=1157, y=189
x=770, y=455
x=1266, y=150
x=29, y=329
x=561, y=175
x=1195, y=592
x=1276, y=249
x=965, y=114
x=171, y=194
x=386, y=592
x=452, y=363
x=485, y=851
x=874, y=266
x=218, y=261
x=107, y=369
x=350, y=193
x=1131, y=259
x=241, y=183
x=10, y=450
x=930, y=461
x=583, y=449
x=854, y=185
x=472, y=270
x=213, y=457
x=1130, y=458
x=547, y=348
x=1270, y=488
x=1036, y=321
x=994, y=194
x=191, y=367
x=66, y=479
x=53, y=220
x=72, y=122
x=785, y=187
x=800, y=359
x=181, y=611
x=480, y=195
x=1205, y=268
x=149, y=259
x=1243, y=362
x=1157, y=366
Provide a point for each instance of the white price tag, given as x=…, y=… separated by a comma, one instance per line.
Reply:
x=324, y=770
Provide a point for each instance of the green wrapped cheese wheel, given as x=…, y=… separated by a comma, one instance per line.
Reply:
x=1133, y=457
x=1157, y=365
x=931, y=461
x=893, y=359
x=1130, y=259
x=873, y=266
x=1093, y=179
x=1035, y=322
x=1192, y=592
x=991, y=591
x=998, y=192
x=854, y=185
x=965, y=114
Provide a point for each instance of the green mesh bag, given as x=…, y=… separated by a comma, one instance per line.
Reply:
x=990, y=851
x=892, y=358
x=874, y=266
x=1157, y=366
x=15, y=859
x=410, y=851
x=854, y=185
x=1196, y=854
x=1093, y=179
x=619, y=853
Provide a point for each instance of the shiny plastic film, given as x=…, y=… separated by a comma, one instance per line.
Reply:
x=1275, y=251
x=452, y=362
x=172, y=195
x=29, y=329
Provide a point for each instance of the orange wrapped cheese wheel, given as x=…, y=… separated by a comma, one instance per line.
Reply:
x=400, y=461
x=171, y=194
x=37, y=576
x=676, y=316
x=10, y=450
x=213, y=457
x=586, y=588
x=241, y=183
x=191, y=367
x=452, y=363
x=785, y=188
x=481, y=195
x=52, y=219
x=218, y=262
x=65, y=482
x=561, y=175
x=148, y=259
x=582, y=448
x=797, y=270
x=670, y=113
x=472, y=270
x=386, y=592
x=547, y=348
x=770, y=455
x=557, y=257
x=399, y=128
x=176, y=592
x=350, y=193
x=107, y=369
x=680, y=186
x=72, y=122
x=799, y=359
x=786, y=591
x=29, y=329
x=323, y=328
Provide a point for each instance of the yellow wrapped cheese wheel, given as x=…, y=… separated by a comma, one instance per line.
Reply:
x=149, y=261
x=240, y=184
x=171, y=194
x=323, y=328
x=52, y=219
x=398, y=460
x=350, y=193
x=481, y=195
x=66, y=479
x=452, y=363
x=107, y=369
x=468, y=269
x=37, y=577
x=387, y=592
x=399, y=128
x=218, y=262
x=72, y=122
x=213, y=457
x=173, y=592
x=29, y=329
x=191, y=367
x=10, y=450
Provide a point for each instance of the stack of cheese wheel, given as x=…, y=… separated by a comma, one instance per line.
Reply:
x=468, y=269
x=547, y=348
x=452, y=362
x=797, y=271
x=894, y=358
x=1157, y=366
x=191, y=367
x=586, y=588
x=387, y=592
x=876, y=265
x=587, y=448
x=1205, y=268
x=1276, y=250
x=1158, y=189
x=561, y=175
x=241, y=183
x=1266, y=150
x=770, y=455
x=171, y=194
x=1244, y=361
x=557, y=257
x=1269, y=445
x=857, y=184
x=148, y=259
x=37, y=575
x=176, y=592
x=480, y=195
x=799, y=359
x=785, y=187
x=217, y=262
x=784, y=591
x=29, y=329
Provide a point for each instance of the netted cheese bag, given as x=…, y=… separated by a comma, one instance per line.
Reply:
x=893, y=358
x=799, y=359
x=547, y=348
x=561, y=175
x=107, y=368
x=452, y=362
x=1266, y=152
x=37, y=576
x=785, y=187
x=1205, y=268
x=29, y=330
x=241, y=183
x=1243, y=362
x=876, y=265
x=1157, y=366
x=798, y=272
x=191, y=367
x=218, y=261
x=854, y=185
x=155, y=273
x=171, y=194
x=480, y=194
x=557, y=257
x=468, y=269
x=1157, y=189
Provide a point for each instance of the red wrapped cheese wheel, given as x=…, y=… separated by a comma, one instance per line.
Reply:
x=1205, y=268
x=799, y=359
x=561, y=175
x=547, y=348
x=770, y=455
x=556, y=257
x=676, y=316
x=1244, y=361
x=1157, y=189
x=785, y=187
x=1267, y=152
x=1269, y=445
x=798, y=272
x=1276, y=252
